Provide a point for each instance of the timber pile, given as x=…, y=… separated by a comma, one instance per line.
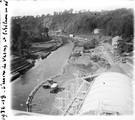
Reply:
x=19, y=65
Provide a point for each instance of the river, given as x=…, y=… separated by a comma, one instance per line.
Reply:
x=45, y=69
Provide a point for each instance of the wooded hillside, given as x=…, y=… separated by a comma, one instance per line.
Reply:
x=112, y=23
x=29, y=29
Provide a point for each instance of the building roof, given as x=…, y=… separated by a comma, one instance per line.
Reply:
x=54, y=85
x=96, y=30
x=78, y=49
x=105, y=38
x=115, y=40
x=110, y=92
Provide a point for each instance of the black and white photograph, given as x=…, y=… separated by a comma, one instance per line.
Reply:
x=70, y=58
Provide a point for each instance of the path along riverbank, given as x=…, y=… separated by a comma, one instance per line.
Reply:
x=48, y=68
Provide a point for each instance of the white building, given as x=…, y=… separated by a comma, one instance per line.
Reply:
x=115, y=41
x=78, y=50
x=71, y=35
x=110, y=94
x=96, y=31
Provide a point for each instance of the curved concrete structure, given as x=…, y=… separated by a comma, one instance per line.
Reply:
x=111, y=93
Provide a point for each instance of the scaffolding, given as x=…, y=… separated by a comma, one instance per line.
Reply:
x=71, y=99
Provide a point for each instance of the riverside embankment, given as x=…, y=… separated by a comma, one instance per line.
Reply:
x=48, y=68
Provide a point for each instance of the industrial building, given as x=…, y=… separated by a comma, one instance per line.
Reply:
x=110, y=94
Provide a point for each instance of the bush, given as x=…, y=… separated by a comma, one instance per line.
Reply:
x=125, y=45
x=92, y=44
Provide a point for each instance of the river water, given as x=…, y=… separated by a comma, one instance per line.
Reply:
x=43, y=70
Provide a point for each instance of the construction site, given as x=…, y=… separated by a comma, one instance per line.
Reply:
x=103, y=86
x=70, y=58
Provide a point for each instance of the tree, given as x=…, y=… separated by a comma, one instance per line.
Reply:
x=24, y=43
x=124, y=46
x=15, y=34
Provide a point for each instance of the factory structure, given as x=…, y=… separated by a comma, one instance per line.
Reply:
x=104, y=94
x=107, y=94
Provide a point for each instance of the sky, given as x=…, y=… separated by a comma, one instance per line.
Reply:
x=39, y=7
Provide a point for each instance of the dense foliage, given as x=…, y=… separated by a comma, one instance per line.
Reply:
x=112, y=23
x=125, y=45
x=91, y=44
x=29, y=29
x=26, y=30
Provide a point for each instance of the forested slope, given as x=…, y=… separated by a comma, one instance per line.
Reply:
x=29, y=29
x=115, y=22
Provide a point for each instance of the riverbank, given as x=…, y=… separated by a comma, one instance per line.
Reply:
x=43, y=101
x=61, y=68
x=38, y=51
x=47, y=68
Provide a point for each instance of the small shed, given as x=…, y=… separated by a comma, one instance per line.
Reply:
x=54, y=86
x=96, y=31
x=115, y=41
x=71, y=35
x=78, y=50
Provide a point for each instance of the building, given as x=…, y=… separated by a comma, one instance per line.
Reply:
x=78, y=50
x=110, y=94
x=115, y=41
x=71, y=35
x=92, y=52
x=96, y=31
x=107, y=93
